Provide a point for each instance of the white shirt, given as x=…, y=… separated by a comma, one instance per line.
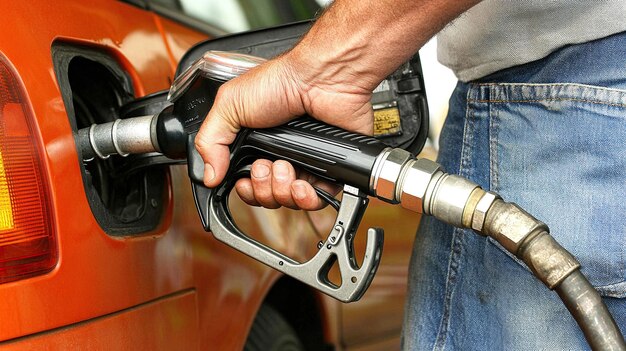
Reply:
x=497, y=34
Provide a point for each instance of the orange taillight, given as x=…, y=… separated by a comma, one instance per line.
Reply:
x=27, y=239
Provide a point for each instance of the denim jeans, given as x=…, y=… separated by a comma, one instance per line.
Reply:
x=550, y=136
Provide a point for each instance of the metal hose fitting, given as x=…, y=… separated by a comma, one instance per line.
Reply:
x=420, y=185
x=387, y=172
x=448, y=198
x=397, y=177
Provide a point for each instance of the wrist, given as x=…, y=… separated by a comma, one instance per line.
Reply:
x=320, y=61
x=299, y=67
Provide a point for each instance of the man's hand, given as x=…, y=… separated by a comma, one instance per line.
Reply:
x=270, y=95
x=329, y=75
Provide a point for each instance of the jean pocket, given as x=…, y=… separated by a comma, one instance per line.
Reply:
x=559, y=151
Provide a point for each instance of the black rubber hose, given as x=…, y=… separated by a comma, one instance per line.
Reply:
x=529, y=239
x=591, y=314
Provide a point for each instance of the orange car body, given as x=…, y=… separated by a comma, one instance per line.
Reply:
x=175, y=287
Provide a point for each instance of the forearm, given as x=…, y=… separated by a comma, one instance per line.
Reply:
x=362, y=41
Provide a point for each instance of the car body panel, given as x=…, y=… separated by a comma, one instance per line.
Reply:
x=178, y=38
x=82, y=241
x=166, y=326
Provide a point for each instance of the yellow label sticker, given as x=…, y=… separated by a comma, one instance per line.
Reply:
x=387, y=121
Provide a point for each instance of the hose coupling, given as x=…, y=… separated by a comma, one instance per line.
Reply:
x=386, y=173
x=547, y=259
x=510, y=225
x=476, y=207
x=448, y=197
x=528, y=238
x=398, y=177
x=414, y=184
x=420, y=185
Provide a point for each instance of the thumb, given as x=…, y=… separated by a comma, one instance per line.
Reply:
x=212, y=142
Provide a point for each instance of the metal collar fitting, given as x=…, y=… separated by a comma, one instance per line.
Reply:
x=480, y=211
x=414, y=183
x=387, y=170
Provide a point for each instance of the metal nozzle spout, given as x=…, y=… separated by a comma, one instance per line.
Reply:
x=120, y=137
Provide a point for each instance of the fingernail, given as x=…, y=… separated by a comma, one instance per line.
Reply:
x=299, y=191
x=260, y=171
x=280, y=171
x=209, y=172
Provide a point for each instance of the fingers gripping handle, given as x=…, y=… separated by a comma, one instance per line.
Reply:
x=338, y=248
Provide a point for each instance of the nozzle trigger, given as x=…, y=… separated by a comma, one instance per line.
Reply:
x=339, y=249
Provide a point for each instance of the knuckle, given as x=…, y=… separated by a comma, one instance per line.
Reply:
x=200, y=143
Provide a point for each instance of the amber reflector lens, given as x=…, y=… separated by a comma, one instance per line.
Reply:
x=27, y=240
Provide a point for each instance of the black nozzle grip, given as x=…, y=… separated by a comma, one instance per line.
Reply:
x=326, y=151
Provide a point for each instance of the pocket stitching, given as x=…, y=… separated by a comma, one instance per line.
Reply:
x=494, y=175
x=553, y=99
x=564, y=84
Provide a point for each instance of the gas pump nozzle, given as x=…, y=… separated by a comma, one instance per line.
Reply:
x=326, y=151
x=366, y=167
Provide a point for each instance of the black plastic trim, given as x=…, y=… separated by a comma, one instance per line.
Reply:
x=152, y=188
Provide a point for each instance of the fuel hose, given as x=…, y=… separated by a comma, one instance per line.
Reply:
x=422, y=186
x=591, y=314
